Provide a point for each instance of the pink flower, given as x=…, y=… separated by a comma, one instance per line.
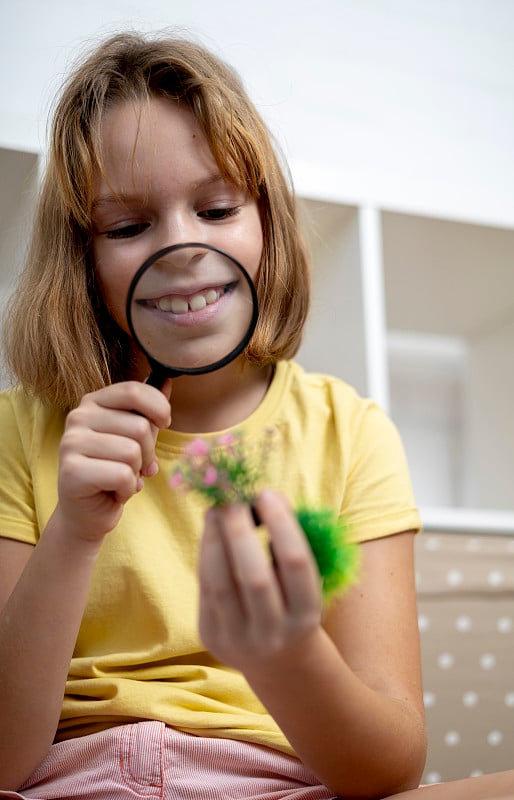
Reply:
x=198, y=447
x=176, y=479
x=226, y=439
x=210, y=476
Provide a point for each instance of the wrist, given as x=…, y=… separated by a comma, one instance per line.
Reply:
x=72, y=536
x=301, y=656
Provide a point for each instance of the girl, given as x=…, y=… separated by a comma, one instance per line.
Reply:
x=147, y=648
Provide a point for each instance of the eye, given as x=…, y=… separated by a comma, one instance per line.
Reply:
x=215, y=214
x=127, y=231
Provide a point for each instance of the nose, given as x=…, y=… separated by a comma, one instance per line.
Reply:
x=182, y=255
x=180, y=232
x=178, y=258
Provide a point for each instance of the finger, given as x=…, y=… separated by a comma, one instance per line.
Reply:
x=251, y=568
x=293, y=558
x=166, y=388
x=104, y=447
x=146, y=400
x=220, y=604
x=86, y=477
x=91, y=418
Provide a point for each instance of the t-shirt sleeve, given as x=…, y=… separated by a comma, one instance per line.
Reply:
x=17, y=513
x=378, y=499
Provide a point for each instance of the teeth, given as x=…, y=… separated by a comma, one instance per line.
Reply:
x=164, y=304
x=197, y=302
x=179, y=305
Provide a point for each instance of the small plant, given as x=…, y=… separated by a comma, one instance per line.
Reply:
x=224, y=471
x=227, y=470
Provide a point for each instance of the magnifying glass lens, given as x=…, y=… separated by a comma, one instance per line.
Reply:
x=191, y=308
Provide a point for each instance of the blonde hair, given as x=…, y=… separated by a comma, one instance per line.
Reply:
x=59, y=339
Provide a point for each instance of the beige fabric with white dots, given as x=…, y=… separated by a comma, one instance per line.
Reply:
x=465, y=589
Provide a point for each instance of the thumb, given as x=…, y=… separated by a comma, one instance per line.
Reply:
x=166, y=388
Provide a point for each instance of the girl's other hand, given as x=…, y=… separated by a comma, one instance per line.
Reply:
x=106, y=452
x=255, y=611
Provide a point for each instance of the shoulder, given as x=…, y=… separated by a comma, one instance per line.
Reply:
x=328, y=408
x=26, y=417
x=331, y=395
x=355, y=447
x=20, y=404
x=28, y=457
x=300, y=381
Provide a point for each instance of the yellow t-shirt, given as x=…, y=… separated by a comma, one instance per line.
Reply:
x=138, y=654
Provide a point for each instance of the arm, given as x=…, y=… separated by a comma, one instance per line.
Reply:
x=347, y=694
x=103, y=454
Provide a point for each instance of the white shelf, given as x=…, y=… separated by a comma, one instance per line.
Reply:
x=426, y=306
x=450, y=309
x=337, y=311
x=19, y=170
x=468, y=520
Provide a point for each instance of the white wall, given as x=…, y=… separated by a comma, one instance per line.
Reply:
x=406, y=105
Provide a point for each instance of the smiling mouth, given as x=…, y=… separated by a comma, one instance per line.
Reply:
x=183, y=304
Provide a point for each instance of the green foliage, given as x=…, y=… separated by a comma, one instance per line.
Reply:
x=336, y=556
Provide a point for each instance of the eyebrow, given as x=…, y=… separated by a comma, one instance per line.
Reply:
x=217, y=178
x=125, y=198
x=115, y=199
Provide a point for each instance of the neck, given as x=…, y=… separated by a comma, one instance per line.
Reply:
x=218, y=400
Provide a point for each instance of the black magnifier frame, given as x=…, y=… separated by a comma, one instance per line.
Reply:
x=160, y=371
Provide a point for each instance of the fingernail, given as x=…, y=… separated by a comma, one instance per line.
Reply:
x=153, y=469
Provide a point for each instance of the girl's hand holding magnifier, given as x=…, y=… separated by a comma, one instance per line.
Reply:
x=106, y=452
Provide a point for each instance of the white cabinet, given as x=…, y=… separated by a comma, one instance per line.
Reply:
x=19, y=171
x=418, y=313
x=337, y=308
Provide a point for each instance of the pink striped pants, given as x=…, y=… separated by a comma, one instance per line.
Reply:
x=150, y=760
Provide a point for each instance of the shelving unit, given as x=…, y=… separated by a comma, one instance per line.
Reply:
x=19, y=170
x=20, y=175
x=418, y=313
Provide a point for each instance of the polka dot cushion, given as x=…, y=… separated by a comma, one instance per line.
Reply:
x=465, y=587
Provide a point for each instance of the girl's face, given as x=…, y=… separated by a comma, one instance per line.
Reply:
x=161, y=187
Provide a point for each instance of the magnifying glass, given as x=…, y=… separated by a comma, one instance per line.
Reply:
x=191, y=308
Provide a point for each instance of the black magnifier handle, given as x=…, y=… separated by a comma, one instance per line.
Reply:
x=258, y=522
x=159, y=374
x=255, y=516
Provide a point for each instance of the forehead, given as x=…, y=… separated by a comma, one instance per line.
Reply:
x=151, y=139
